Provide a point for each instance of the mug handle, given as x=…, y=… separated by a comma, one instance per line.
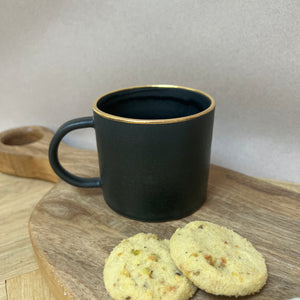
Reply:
x=84, y=122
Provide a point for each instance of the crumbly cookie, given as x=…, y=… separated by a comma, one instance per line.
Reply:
x=141, y=267
x=218, y=260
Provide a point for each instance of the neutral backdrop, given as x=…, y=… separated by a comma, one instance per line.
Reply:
x=58, y=56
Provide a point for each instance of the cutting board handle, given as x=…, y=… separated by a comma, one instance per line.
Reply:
x=24, y=152
x=84, y=122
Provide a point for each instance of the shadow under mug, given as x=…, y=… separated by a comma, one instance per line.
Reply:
x=153, y=146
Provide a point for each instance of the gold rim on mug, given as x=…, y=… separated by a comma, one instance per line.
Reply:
x=154, y=121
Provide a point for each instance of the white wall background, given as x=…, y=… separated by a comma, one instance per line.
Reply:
x=58, y=56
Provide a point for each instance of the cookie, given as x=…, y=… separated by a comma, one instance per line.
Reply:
x=218, y=260
x=141, y=267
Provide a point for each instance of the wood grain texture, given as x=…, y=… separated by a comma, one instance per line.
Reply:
x=3, y=295
x=29, y=286
x=73, y=231
x=24, y=152
x=18, y=196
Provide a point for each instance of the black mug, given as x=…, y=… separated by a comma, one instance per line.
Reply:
x=154, y=146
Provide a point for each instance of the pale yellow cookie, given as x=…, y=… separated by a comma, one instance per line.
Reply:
x=141, y=268
x=218, y=260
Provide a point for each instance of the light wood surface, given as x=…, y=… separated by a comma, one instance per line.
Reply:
x=18, y=196
x=24, y=153
x=3, y=295
x=17, y=200
x=29, y=286
x=72, y=231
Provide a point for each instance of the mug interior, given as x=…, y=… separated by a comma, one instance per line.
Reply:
x=154, y=103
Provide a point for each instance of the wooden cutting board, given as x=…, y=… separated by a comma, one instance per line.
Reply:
x=73, y=230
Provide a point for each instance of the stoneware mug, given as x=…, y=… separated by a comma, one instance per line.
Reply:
x=154, y=147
